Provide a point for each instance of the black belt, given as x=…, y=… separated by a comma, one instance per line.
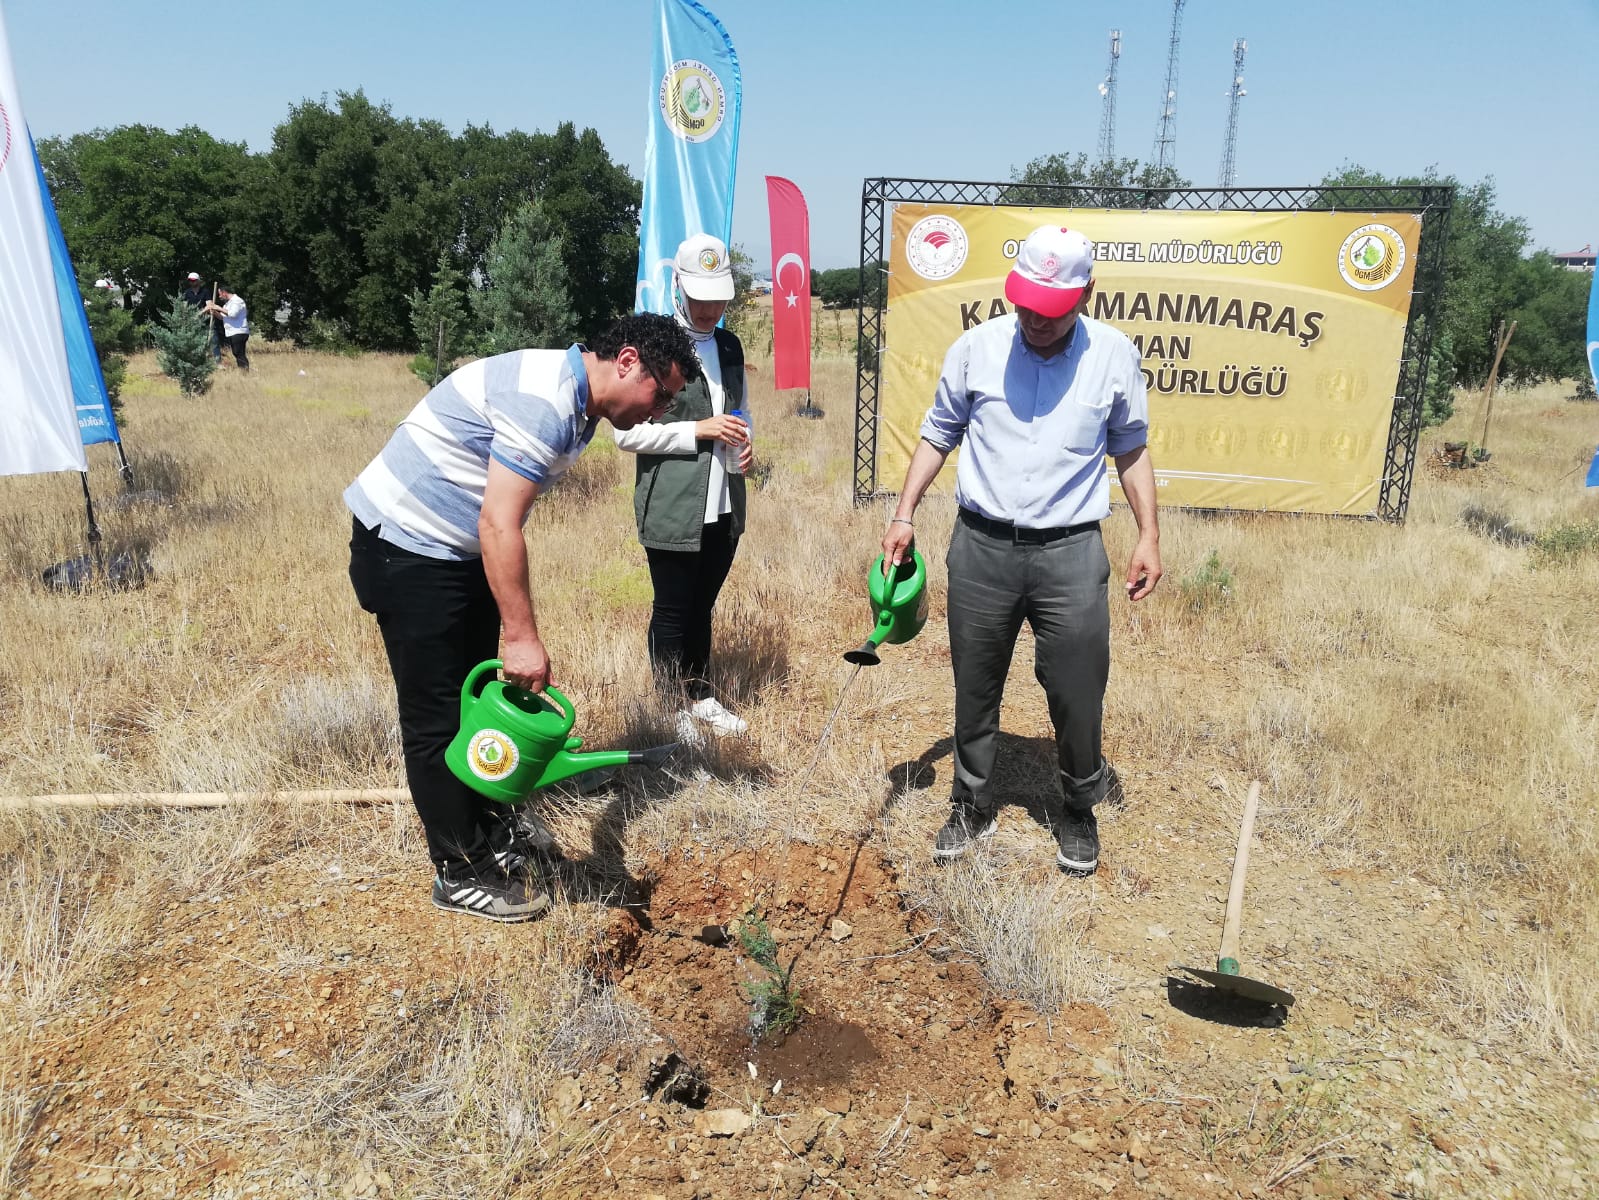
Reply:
x=1016, y=533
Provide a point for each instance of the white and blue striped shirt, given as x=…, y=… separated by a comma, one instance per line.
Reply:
x=1036, y=430
x=528, y=410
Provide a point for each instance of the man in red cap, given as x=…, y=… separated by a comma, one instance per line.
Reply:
x=194, y=294
x=1036, y=401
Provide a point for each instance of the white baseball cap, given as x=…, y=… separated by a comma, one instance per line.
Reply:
x=704, y=268
x=194, y=277
x=1052, y=268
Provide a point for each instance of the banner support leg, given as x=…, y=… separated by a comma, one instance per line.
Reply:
x=94, y=528
x=808, y=409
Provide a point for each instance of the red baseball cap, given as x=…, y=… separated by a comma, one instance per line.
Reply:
x=1052, y=268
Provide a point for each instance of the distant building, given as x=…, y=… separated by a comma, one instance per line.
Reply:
x=763, y=287
x=1577, y=260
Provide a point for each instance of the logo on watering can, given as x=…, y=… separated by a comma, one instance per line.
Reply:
x=491, y=755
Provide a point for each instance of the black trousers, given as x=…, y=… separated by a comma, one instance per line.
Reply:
x=439, y=620
x=236, y=343
x=686, y=584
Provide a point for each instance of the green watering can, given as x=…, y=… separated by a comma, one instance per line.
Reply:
x=899, y=602
x=513, y=742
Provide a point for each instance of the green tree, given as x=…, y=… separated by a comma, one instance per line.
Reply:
x=590, y=201
x=842, y=287
x=146, y=204
x=1551, y=316
x=741, y=308
x=524, y=301
x=441, y=317
x=182, y=337
x=1438, y=392
x=1077, y=171
x=838, y=288
x=115, y=337
x=355, y=208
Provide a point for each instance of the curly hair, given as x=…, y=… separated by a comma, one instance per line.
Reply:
x=660, y=342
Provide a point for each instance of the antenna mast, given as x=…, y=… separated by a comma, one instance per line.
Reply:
x=1107, y=108
x=1229, y=173
x=1166, y=136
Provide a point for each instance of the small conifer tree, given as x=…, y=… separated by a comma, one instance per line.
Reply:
x=183, y=347
x=115, y=337
x=524, y=302
x=442, y=307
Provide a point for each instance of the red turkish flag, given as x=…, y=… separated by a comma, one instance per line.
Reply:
x=791, y=284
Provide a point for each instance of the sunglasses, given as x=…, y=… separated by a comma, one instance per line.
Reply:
x=663, y=395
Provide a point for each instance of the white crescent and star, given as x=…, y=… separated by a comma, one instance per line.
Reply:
x=791, y=297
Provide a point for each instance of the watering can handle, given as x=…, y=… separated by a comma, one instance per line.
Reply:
x=473, y=684
x=565, y=705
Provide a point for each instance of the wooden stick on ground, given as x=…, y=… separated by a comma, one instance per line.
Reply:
x=206, y=799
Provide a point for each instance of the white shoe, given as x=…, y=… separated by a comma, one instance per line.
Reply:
x=722, y=722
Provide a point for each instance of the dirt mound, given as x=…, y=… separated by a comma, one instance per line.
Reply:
x=904, y=1074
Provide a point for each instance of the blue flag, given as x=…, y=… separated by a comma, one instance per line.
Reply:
x=1593, y=362
x=691, y=152
x=89, y=396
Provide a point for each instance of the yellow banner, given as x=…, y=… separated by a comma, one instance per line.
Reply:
x=1271, y=341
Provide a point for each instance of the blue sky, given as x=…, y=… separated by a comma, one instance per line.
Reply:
x=839, y=90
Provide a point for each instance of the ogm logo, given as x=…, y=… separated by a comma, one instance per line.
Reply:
x=1283, y=442
x=692, y=101
x=1221, y=440
x=936, y=247
x=1343, y=385
x=1344, y=445
x=1164, y=439
x=5, y=136
x=491, y=755
x=1371, y=257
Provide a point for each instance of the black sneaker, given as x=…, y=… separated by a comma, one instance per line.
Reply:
x=506, y=899
x=1077, y=839
x=527, y=842
x=961, y=831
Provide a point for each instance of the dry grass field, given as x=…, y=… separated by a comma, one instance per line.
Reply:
x=258, y=1000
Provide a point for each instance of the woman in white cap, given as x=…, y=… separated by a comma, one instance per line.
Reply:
x=689, y=494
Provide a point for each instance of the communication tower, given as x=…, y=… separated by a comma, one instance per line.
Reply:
x=1107, y=108
x=1229, y=174
x=1166, y=134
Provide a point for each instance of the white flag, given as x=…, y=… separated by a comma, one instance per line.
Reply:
x=38, y=423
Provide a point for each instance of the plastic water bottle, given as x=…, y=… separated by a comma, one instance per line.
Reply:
x=735, y=453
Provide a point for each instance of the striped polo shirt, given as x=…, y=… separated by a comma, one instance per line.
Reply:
x=528, y=410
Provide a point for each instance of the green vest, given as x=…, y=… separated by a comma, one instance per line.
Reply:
x=670, y=489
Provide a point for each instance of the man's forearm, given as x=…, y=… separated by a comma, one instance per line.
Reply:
x=1136, y=472
x=505, y=564
x=926, y=463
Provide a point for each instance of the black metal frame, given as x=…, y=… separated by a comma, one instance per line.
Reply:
x=1431, y=201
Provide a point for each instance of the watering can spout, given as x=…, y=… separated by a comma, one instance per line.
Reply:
x=866, y=656
x=568, y=763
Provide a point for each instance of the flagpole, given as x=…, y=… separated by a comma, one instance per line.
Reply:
x=94, y=528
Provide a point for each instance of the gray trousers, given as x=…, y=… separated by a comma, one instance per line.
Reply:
x=1061, y=589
